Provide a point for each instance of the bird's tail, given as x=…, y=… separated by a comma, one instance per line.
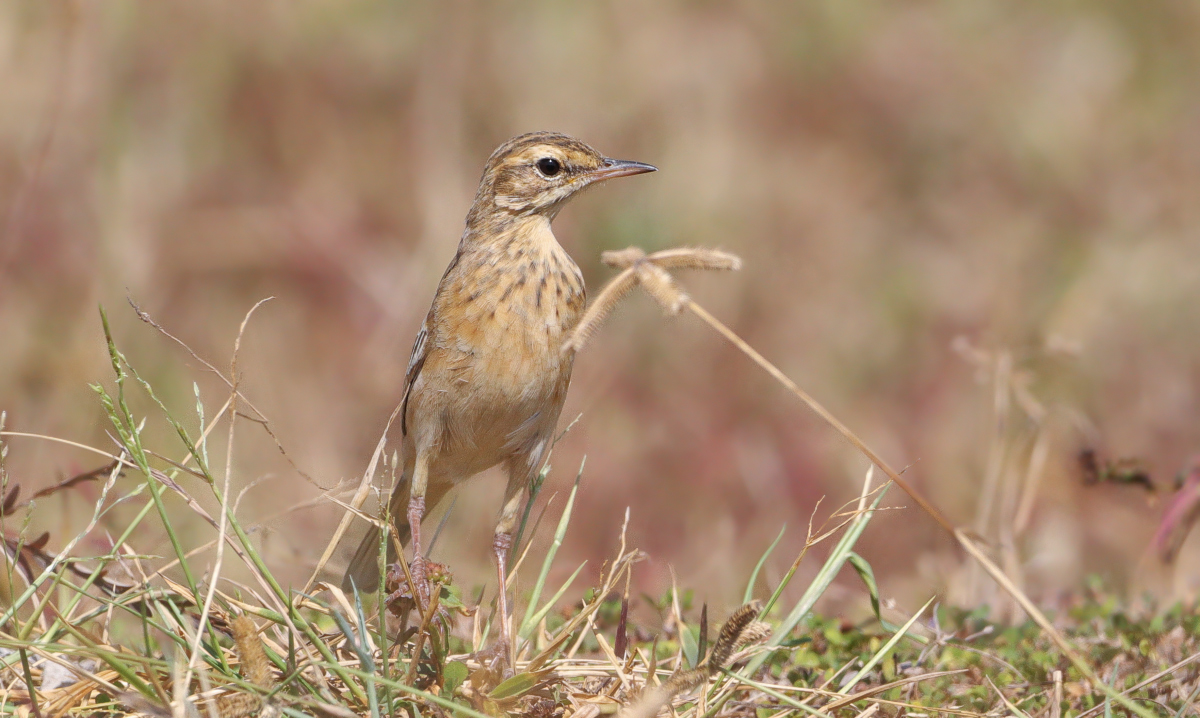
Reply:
x=364, y=567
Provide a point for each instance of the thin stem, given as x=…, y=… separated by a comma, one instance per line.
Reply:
x=822, y=412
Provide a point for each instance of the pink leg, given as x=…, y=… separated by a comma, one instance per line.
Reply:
x=416, y=511
x=500, y=546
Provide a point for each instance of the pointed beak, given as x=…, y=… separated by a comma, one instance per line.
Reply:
x=619, y=168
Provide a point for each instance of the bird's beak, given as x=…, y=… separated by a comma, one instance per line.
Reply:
x=619, y=168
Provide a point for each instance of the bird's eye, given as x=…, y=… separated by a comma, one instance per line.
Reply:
x=549, y=166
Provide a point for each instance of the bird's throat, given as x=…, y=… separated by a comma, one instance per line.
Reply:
x=514, y=237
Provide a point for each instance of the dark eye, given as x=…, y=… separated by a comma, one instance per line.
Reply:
x=549, y=166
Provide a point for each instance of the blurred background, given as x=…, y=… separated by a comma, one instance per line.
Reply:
x=965, y=226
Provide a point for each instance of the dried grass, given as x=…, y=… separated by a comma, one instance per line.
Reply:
x=177, y=642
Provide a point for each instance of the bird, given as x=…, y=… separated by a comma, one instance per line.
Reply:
x=488, y=373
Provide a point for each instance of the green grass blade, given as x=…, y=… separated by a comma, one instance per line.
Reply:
x=537, y=617
x=886, y=648
x=559, y=533
x=1187, y=703
x=837, y=559
x=450, y=705
x=369, y=664
x=81, y=591
x=1112, y=680
x=777, y=695
x=867, y=574
x=126, y=428
x=535, y=489
x=749, y=594
x=360, y=644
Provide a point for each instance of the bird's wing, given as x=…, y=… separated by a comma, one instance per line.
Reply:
x=415, y=362
x=420, y=350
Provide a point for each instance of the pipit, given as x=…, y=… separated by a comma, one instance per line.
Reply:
x=487, y=376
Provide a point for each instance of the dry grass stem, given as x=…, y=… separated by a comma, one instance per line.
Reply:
x=649, y=272
x=304, y=664
x=632, y=257
x=613, y=292
x=223, y=527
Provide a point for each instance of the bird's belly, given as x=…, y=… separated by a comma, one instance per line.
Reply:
x=508, y=382
x=495, y=377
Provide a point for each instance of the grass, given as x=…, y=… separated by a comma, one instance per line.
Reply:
x=128, y=633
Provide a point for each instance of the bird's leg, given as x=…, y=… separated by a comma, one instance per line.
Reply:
x=416, y=512
x=501, y=543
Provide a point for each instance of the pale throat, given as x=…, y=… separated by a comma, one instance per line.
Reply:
x=533, y=234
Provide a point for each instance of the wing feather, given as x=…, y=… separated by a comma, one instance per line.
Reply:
x=415, y=362
x=420, y=350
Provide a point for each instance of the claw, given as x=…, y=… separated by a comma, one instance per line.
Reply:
x=426, y=575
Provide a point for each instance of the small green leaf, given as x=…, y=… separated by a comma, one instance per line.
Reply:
x=451, y=597
x=691, y=644
x=453, y=676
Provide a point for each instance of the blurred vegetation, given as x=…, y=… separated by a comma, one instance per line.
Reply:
x=945, y=210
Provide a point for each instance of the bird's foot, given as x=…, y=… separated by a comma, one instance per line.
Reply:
x=425, y=576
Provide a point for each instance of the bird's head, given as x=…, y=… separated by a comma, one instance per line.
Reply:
x=538, y=172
